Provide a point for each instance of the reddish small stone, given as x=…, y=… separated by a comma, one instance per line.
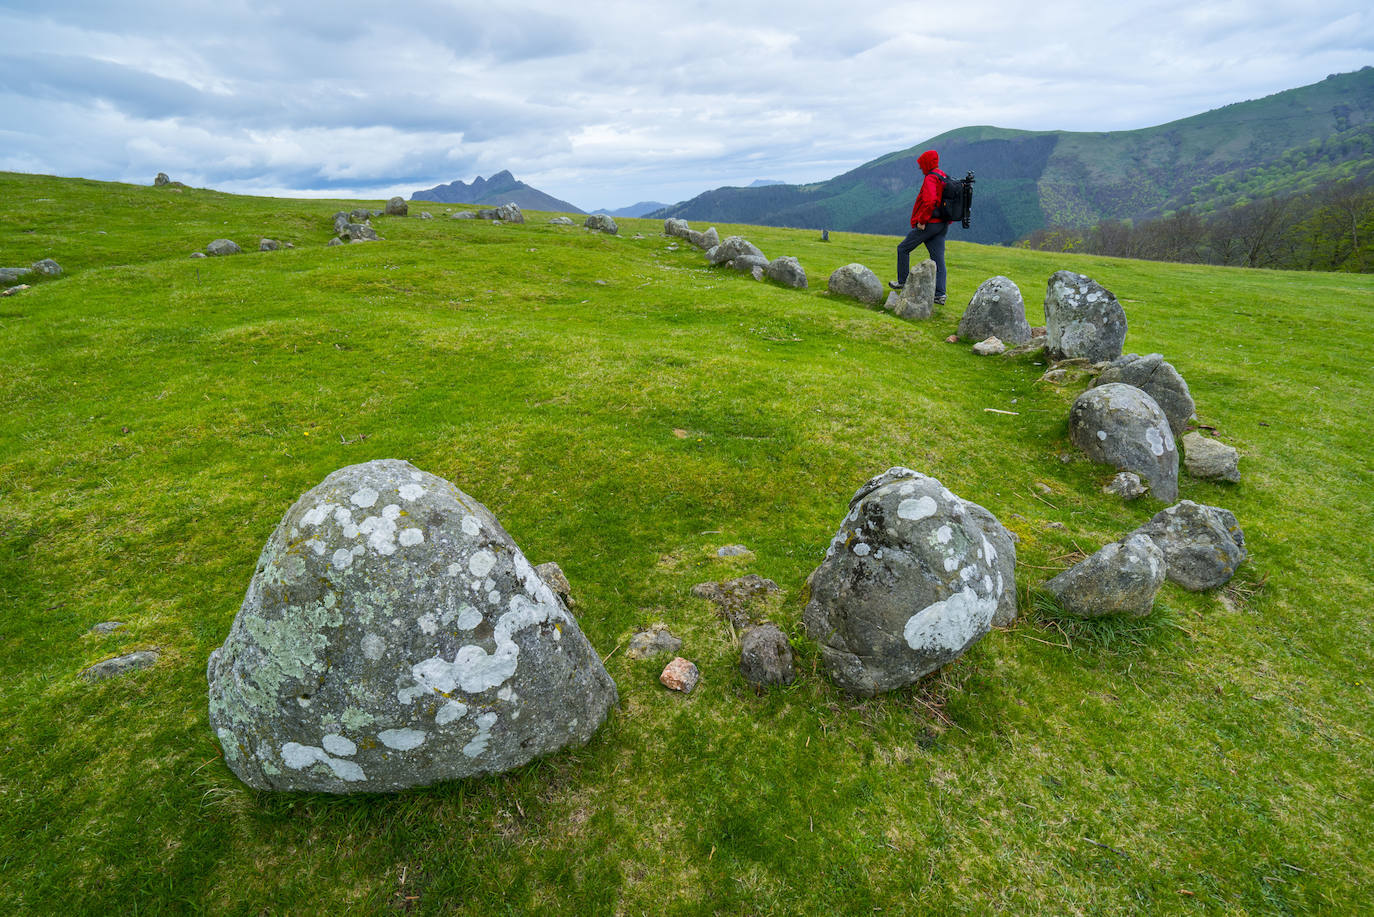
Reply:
x=952, y=339
x=680, y=675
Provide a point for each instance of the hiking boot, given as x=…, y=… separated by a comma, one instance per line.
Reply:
x=939, y=300
x=895, y=285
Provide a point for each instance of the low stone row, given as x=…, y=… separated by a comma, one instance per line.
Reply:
x=738, y=253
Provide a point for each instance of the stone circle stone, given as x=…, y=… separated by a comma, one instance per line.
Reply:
x=397, y=207
x=1209, y=459
x=766, y=656
x=916, y=299
x=223, y=247
x=856, y=282
x=1120, y=425
x=1152, y=373
x=359, y=215
x=649, y=643
x=601, y=222
x=1120, y=578
x=706, y=240
x=120, y=665
x=675, y=227
x=733, y=248
x=48, y=268
x=557, y=221
x=268, y=245
x=914, y=577
x=162, y=179
x=1203, y=545
x=11, y=274
x=359, y=232
x=335, y=241
x=510, y=213
x=787, y=271
x=1082, y=318
x=393, y=635
x=996, y=310
x=1126, y=485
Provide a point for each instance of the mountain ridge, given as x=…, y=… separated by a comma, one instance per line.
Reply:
x=501, y=188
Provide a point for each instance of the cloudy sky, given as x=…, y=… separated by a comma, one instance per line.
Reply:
x=602, y=102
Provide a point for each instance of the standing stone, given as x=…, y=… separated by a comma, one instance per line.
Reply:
x=223, y=247
x=1153, y=374
x=162, y=179
x=916, y=299
x=676, y=227
x=268, y=245
x=996, y=310
x=1121, y=578
x=856, y=282
x=911, y=581
x=510, y=213
x=1203, y=545
x=1083, y=319
x=1119, y=425
x=601, y=222
x=359, y=232
x=341, y=222
x=397, y=207
x=392, y=636
x=787, y=271
x=1210, y=459
x=766, y=656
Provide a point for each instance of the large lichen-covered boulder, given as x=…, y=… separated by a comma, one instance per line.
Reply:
x=1083, y=319
x=676, y=227
x=397, y=207
x=996, y=310
x=1157, y=376
x=392, y=636
x=787, y=271
x=1121, y=578
x=914, y=577
x=733, y=248
x=1203, y=545
x=1120, y=425
x=856, y=282
x=602, y=222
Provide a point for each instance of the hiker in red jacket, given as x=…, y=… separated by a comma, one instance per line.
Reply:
x=926, y=228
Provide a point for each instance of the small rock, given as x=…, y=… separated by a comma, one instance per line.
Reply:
x=1044, y=488
x=952, y=339
x=558, y=221
x=856, y=282
x=361, y=215
x=268, y=245
x=107, y=627
x=553, y=577
x=162, y=179
x=334, y=241
x=649, y=643
x=120, y=665
x=766, y=656
x=680, y=675
x=48, y=268
x=733, y=550
x=201, y=254
x=426, y=215
x=11, y=291
x=989, y=347
x=11, y=274
x=1126, y=485
x=1209, y=459
x=397, y=207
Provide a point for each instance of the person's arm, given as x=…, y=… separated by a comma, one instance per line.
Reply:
x=926, y=201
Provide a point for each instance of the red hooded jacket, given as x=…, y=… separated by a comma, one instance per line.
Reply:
x=923, y=211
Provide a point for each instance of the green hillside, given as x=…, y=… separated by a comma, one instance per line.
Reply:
x=1027, y=180
x=625, y=410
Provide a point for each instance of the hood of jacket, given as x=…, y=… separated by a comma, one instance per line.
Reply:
x=928, y=161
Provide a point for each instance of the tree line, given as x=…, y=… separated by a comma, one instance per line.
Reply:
x=1329, y=229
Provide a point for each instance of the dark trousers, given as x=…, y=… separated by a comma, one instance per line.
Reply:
x=933, y=238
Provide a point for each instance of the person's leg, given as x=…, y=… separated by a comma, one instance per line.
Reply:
x=936, y=246
x=904, y=250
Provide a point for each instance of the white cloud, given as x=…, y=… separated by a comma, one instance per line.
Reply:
x=605, y=103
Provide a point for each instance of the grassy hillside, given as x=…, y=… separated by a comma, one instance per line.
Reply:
x=1290, y=141
x=160, y=414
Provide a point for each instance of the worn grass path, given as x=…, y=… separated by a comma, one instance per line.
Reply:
x=159, y=414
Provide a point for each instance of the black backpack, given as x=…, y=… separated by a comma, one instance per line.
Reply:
x=956, y=199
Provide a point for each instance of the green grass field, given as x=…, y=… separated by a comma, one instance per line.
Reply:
x=161, y=413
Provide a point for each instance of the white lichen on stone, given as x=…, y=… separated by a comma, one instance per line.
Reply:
x=861, y=549
x=478, y=744
x=450, y=712
x=409, y=538
x=1155, y=440
x=411, y=492
x=950, y=625
x=373, y=647
x=472, y=526
x=481, y=562
x=402, y=739
x=336, y=744
x=1102, y=435
x=468, y=617
x=381, y=530
x=364, y=498
x=916, y=509
x=428, y=623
